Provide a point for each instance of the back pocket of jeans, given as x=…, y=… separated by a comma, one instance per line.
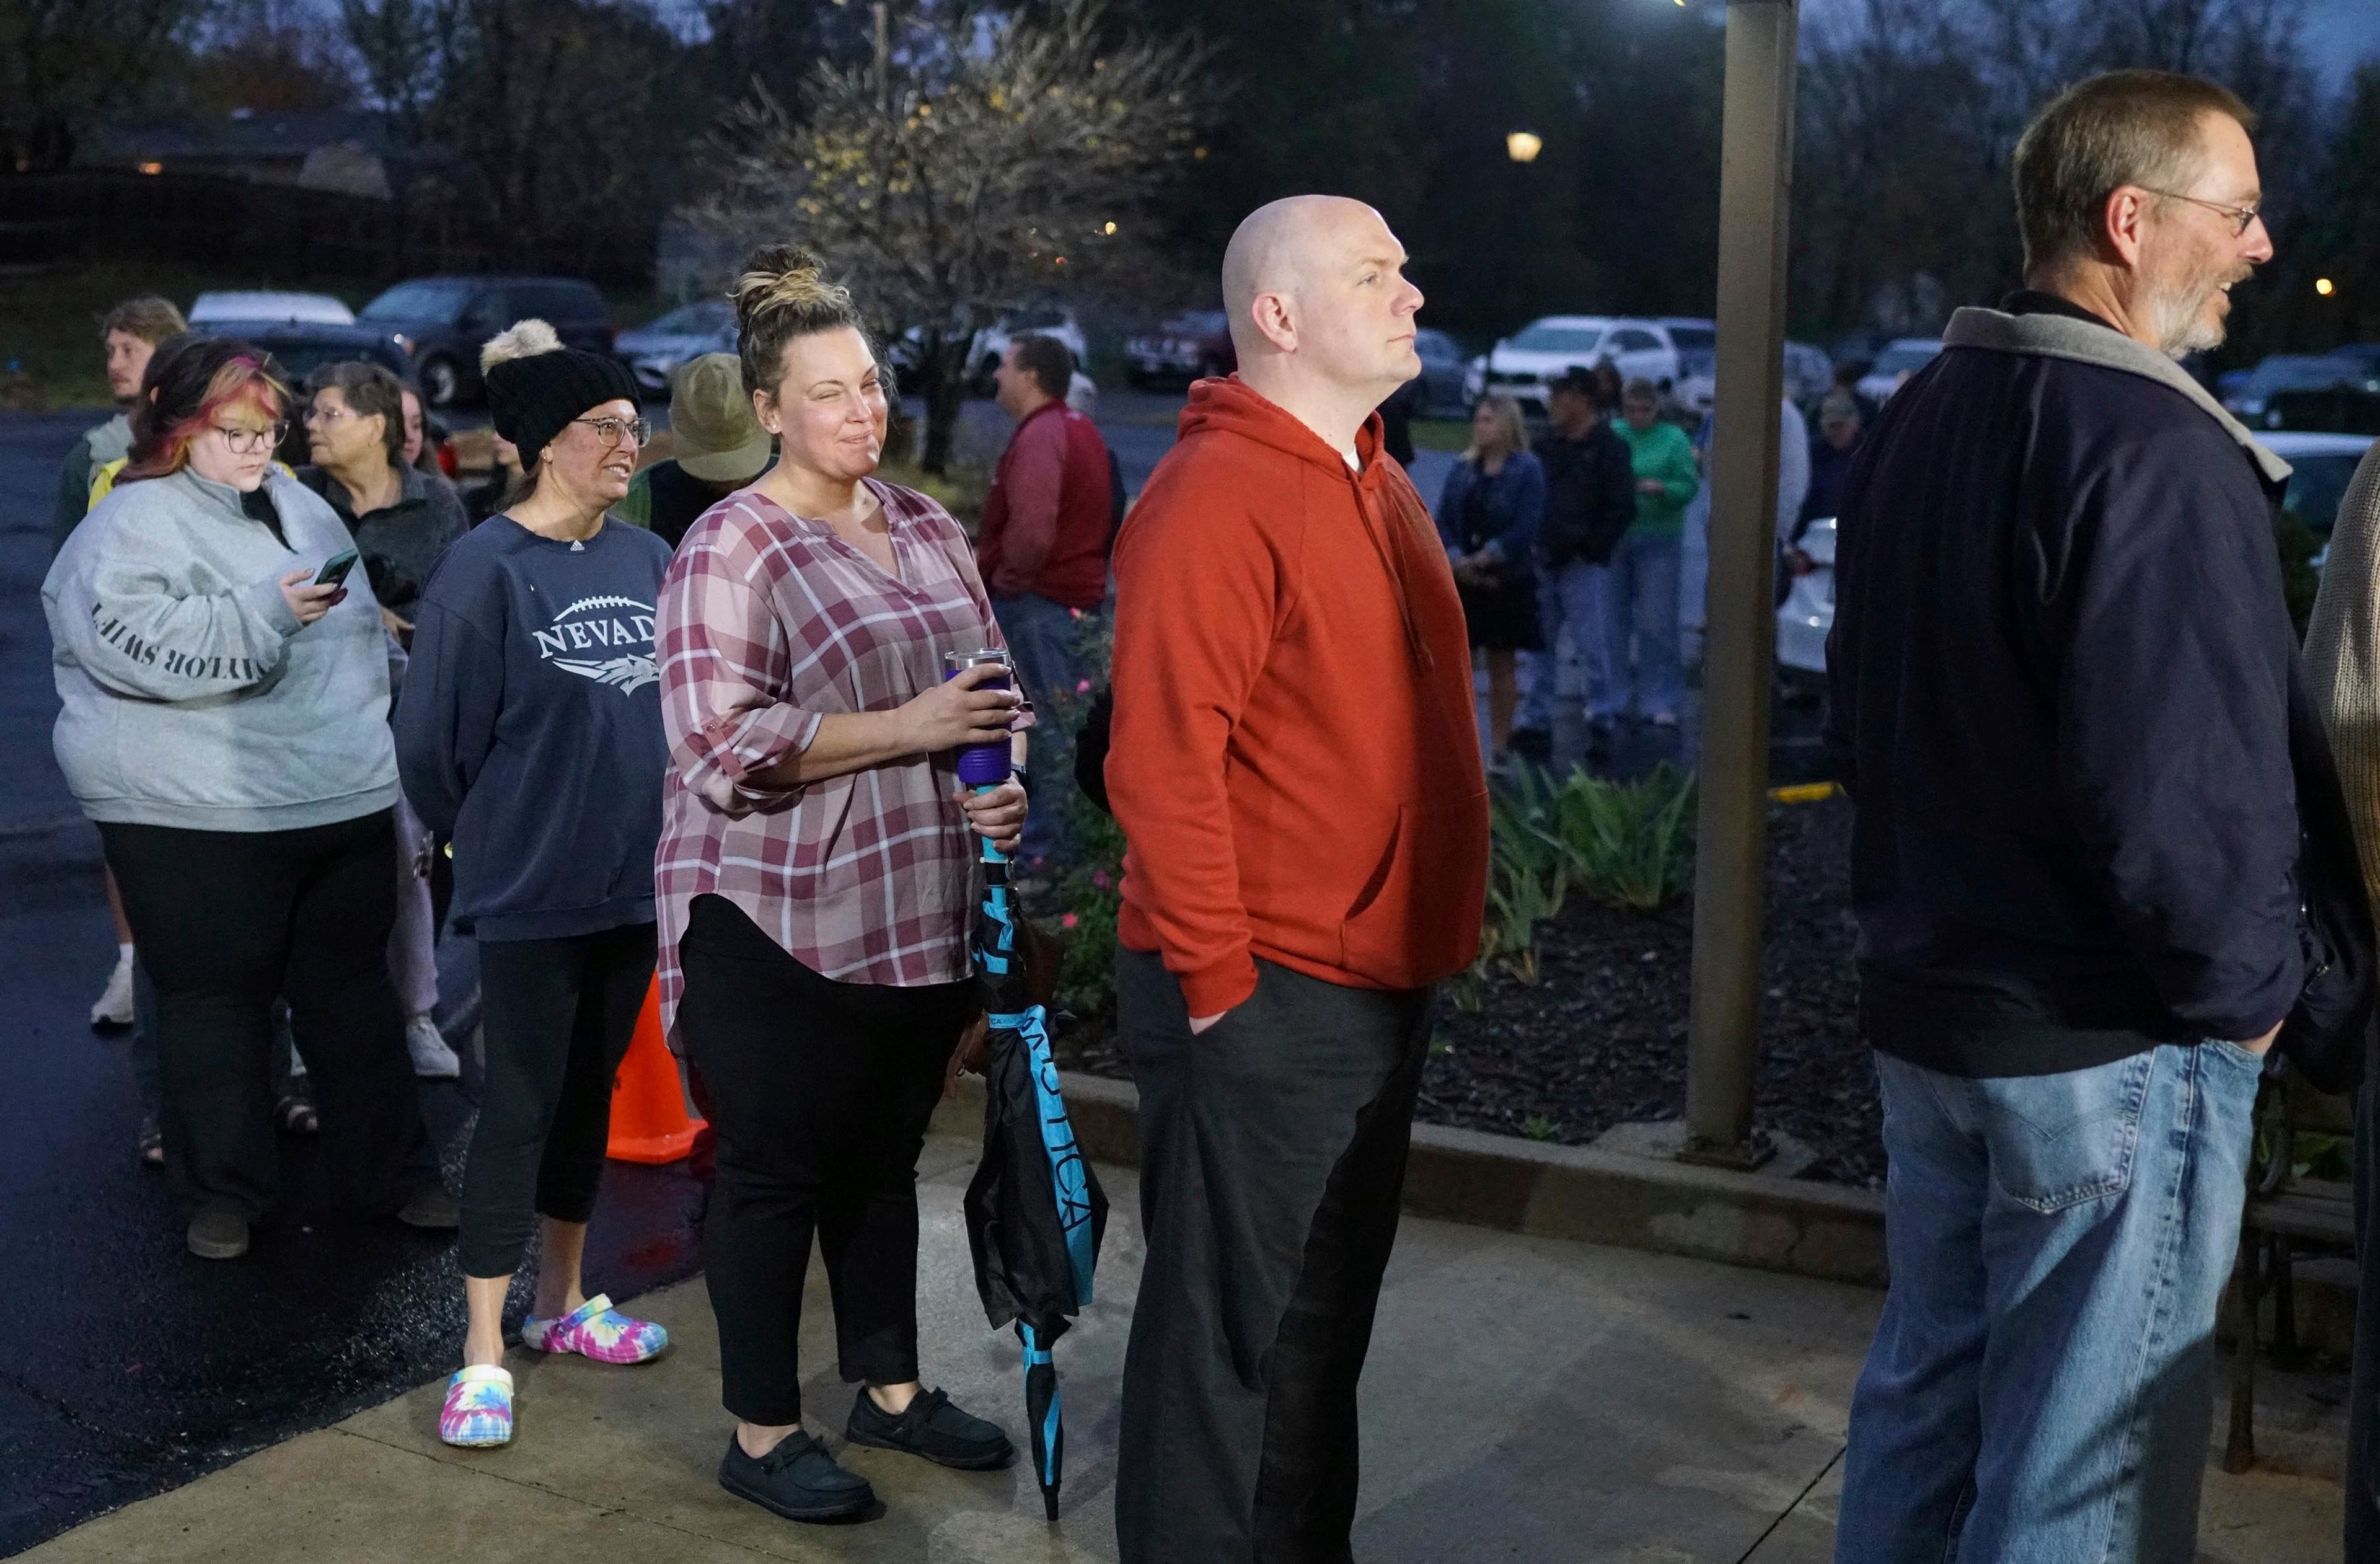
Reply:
x=2061, y=1141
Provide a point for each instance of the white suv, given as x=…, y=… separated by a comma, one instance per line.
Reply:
x=1524, y=364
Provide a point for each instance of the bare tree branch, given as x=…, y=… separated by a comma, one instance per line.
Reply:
x=1018, y=157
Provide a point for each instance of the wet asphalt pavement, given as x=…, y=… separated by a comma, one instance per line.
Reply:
x=125, y=1365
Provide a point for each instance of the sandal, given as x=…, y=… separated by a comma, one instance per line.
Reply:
x=478, y=1410
x=295, y=1113
x=596, y=1331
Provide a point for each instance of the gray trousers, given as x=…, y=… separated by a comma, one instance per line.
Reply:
x=1273, y=1157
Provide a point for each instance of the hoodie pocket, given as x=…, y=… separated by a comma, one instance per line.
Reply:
x=1406, y=925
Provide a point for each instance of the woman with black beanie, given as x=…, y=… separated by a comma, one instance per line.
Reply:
x=530, y=732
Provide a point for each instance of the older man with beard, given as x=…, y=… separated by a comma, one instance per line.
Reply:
x=2061, y=669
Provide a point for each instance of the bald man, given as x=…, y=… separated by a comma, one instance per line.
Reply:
x=1295, y=765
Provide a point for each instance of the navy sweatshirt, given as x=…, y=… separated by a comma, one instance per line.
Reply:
x=531, y=727
x=2059, y=673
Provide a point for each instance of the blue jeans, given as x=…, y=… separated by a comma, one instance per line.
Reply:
x=1569, y=597
x=1041, y=635
x=2039, y=1388
x=1640, y=605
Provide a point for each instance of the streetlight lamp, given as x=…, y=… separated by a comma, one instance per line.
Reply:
x=1522, y=146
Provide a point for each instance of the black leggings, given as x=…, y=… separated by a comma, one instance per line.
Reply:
x=820, y=1092
x=229, y=920
x=556, y=1019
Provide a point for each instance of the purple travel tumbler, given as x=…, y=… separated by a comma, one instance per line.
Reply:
x=982, y=765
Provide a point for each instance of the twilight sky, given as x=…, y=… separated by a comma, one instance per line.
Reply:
x=2339, y=35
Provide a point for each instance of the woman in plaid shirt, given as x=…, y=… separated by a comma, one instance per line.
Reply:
x=814, y=883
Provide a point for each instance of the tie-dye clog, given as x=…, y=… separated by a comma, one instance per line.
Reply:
x=595, y=1329
x=478, y=1410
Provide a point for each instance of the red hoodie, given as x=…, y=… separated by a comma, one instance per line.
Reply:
x=1295, y=760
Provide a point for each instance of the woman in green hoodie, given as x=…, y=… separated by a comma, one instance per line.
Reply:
x=1640, y=612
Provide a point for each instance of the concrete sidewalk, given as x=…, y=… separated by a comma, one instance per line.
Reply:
x=1527, y=1400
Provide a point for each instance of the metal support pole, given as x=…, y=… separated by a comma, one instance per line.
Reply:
x=883, y=9
x=1739, y=653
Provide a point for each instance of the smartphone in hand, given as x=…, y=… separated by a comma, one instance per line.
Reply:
x=334, y=569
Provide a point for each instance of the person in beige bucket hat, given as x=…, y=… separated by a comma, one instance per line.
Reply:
x=717, y=447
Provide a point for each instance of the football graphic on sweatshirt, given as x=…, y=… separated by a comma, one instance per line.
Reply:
x=607, y=640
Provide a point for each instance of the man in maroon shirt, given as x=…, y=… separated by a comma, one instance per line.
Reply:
x=1043, y=552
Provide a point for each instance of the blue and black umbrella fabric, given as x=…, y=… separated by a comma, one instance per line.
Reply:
x=1034, y=1211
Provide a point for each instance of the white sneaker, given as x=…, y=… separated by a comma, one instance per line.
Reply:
x=114, y=1005
x=433, y=1059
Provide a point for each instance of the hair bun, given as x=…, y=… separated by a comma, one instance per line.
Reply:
x=785, y=277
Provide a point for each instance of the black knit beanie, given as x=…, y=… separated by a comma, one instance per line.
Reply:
x=534, y=399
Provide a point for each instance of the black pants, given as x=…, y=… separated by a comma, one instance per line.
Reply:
x=227, y=920
x=820, y=1092
x=1273, y=1157
x=556, y=1019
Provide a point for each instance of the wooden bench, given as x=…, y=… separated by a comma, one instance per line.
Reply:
x=2288, y=1220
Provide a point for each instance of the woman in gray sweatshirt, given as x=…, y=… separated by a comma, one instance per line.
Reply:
x=225, y=725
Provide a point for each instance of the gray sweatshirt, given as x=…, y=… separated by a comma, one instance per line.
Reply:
x=192, y=698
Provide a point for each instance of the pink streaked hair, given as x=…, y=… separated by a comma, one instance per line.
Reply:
x=240, y=383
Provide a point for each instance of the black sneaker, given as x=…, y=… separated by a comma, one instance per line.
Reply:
x=431, y=1207
x=217, y=1232
x=798, y=1480
x=931, y=1428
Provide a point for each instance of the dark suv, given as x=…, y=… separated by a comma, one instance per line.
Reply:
x=439, y=324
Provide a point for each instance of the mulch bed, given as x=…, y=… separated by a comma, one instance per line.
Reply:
x=1600, y=1038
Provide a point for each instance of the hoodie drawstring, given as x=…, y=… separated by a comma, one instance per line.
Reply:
x=1392, y=555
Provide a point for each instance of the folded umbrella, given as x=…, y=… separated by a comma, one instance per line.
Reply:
x=1034, y=1211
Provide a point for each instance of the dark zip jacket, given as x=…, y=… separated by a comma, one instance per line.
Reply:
x=2059, y=670
x=1590, y=495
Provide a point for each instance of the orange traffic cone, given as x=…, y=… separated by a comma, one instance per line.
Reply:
x=649, y=1117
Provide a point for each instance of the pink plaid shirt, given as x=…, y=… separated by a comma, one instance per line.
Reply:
x=767, y=623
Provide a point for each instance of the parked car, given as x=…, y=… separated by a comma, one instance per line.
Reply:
x=1808, y=374
x=1860, y=348
x=2321, y=466
x=2337, y=409
x=2294, y=371
x=1691, y=333
x=1902, y=358
x=2364, y=356
x=1441, y=376
x=1195, y=345
x=441, y=323
x=990, y=344
x=654, y=351
x=211, y=308
x=299, y=347
x=1520, y=365
x=1807, y=614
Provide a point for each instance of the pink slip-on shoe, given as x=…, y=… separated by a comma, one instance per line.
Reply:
x=596, y=1331
x=478, y=1410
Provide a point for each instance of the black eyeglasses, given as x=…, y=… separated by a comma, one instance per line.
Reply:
x=610, y=429
x=2241, y=215
x=249, y=441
